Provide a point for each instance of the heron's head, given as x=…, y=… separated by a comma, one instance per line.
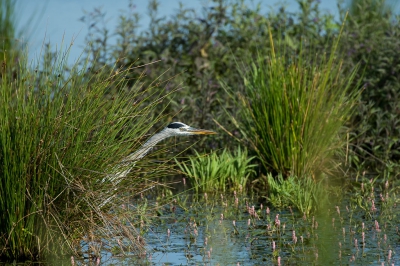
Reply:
x=181, y=129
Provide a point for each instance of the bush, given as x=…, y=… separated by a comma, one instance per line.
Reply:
x=371, y=38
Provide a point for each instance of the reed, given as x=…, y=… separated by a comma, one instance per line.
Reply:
x=295, y=108
x=59, y=136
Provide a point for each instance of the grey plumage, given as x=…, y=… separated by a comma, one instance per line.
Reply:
x=173, y=129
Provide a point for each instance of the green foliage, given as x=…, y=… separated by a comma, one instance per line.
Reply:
x=303, y=193
x=294, y=108
x=7, y=26
x=203, y=47
x=372, y=38
x=63, y=128
x=59, y=136
x=10, y=48
x=378, y=194
x=219, y=171
x=199, y=48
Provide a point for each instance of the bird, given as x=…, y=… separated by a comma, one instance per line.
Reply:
x=174, y=129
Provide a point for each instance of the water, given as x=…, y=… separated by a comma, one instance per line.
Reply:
x=224, y=230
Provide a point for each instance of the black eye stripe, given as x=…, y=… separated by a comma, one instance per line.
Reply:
x=175, y=125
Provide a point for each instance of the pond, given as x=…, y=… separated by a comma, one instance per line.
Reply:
x=238, y=229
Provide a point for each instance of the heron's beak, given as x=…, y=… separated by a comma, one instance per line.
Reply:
x=200, y=131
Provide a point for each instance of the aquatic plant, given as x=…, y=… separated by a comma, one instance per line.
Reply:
x=306, y=195
x=219, y=171
x=226, y=228
x=295, y=107
x=60, y=134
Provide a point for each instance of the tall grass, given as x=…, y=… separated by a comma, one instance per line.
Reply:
x=60, y=135
x=295, y=107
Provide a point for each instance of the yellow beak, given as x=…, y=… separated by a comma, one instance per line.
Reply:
x=200, y=131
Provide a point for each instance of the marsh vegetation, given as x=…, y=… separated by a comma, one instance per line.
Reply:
x=304, y=168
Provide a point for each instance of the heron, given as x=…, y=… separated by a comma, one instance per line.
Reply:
x=174, y=129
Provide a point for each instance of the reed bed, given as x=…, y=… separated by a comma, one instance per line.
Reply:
x=60, y=134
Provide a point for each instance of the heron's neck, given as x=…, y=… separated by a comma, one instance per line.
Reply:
x=147, y=146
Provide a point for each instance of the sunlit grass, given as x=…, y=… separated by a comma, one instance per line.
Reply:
x=306, y=195
x=219, y=171
x=295, y=107
x=60, y=135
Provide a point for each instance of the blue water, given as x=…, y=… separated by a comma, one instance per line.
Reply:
x=199, y=236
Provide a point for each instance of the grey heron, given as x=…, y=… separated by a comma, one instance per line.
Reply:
x=174, y=129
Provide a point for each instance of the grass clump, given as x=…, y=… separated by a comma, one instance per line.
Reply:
x=219, y=171
x=59, y=136
x=304, y=194
x=295, y=106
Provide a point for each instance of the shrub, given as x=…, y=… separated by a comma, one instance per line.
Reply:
x=371, y=38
